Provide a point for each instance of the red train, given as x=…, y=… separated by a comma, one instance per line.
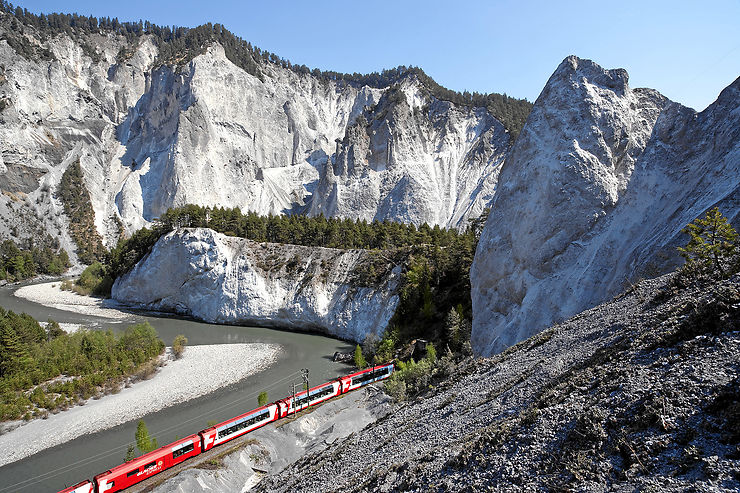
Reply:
x=141, y=468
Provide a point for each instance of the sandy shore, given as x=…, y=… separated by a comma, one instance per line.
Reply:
x=200, y=371
x=50, y=294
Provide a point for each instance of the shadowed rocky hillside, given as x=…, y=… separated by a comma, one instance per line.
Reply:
x=638, y=393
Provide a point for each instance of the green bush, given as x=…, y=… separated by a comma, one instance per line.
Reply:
x=178, y=345
x=94, y=280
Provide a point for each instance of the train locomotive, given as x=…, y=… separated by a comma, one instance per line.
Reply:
x=146, y=466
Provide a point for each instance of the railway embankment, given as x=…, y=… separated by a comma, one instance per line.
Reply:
x=241, y=464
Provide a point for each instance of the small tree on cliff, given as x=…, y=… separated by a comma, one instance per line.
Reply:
x=712, y=246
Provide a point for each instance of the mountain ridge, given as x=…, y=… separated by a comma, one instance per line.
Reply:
x=149, y=136
x=595, y=193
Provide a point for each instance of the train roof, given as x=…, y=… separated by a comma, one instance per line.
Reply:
x=238, y=417
x=367, y=370
x=71, y=489
x=148, y=457
x=303, y=392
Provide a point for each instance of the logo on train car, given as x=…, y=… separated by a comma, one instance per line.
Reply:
x=150, y=468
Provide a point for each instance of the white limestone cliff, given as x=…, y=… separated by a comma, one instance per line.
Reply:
x=56, y=111
x=151, y=136
x=593, y=196
x=414, y=159
x=221, y=279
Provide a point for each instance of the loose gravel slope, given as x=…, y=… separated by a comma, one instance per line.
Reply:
x=640, y=392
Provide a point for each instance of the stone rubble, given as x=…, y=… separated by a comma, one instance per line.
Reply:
x=637, y=394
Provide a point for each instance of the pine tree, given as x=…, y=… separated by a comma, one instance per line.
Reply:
x=130, y=453
x=359, y=358
x=452, y=326
x=144, y=442
x=713, y=244
x=262, y=398
x=12, y=352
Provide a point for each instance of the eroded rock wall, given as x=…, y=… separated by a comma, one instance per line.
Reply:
x=593, y=196
x=222, y=279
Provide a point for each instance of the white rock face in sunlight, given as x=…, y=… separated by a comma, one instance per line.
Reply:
x=151, y=136
x=594, y=195
x=221, y=279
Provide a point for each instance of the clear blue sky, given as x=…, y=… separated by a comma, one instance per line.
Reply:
x=687, y=50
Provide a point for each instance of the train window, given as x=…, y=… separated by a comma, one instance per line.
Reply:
x=132, y=473
x=243, y=424
x=371, y=375
x=182, y=450
x=322, y=392
x=365, y=377
x=151, y=464
x=299, y=401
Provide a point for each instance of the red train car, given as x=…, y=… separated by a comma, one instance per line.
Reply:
x=303, y=399
x=141, y=468
x=83, y=487
x=364, y=377
x=244, y=423
x=147, y=465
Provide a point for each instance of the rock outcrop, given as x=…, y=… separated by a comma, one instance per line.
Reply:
x=222, y=279
x=594, y=195
x=414, y=159
x=150, y=136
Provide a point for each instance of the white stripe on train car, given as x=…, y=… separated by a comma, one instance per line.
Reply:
x=271, y=411
x=183, y=444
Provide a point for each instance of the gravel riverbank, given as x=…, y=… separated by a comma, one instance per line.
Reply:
x=201, y=370
x=50, y=294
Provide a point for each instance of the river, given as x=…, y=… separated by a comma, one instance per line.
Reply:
x=84, y=457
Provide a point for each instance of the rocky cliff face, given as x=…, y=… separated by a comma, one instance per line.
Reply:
x=594, y=195
x=415, y=159
x=54, y=112
x=221, y=279
x=151, y=136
